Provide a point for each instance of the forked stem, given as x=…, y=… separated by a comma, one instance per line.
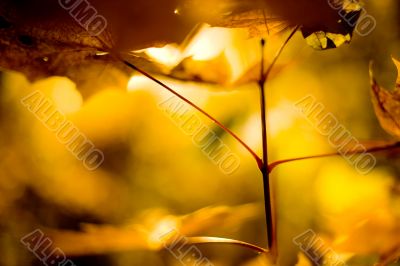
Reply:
x=268, y=198
x=262, y=163
x=264, y=170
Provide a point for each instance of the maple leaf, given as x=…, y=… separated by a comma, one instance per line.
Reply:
x=41, y=44
x=57, y=45
x=324, y=24
x=337, y=29
x=387, y=104
x=42, y=39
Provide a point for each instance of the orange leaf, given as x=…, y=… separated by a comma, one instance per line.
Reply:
x=387, y=104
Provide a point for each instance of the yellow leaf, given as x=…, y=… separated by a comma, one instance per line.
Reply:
x=387, y=104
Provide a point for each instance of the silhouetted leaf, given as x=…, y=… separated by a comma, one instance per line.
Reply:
x=41, y=44
x=336, y=31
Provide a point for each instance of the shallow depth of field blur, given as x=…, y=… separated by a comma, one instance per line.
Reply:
x=154, y=178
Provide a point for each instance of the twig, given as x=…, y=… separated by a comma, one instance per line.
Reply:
x=276, y=57
x=256, y=157
x=373, y=149
x=144, y=73
x=219, y=240
x=264, y=170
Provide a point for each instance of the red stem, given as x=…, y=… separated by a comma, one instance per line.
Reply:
x=272, y=166
x=256, y=157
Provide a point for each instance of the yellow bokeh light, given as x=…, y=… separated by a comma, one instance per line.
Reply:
x=162, y=232
x=169, y=55
x=138, y=82
x=208, y=43
x=342, y=190
x=281, y=117
x=63, y=93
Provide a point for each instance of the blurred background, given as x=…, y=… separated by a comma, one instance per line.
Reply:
x=154, y=178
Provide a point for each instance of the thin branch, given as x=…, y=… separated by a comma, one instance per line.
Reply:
x=264, y=170
x=256, y=157
x=370, y=150
x=268, y=199
x=277, y=55
x=219, y=240
x=144, y=73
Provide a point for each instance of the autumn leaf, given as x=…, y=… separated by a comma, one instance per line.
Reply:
x=41, y=44
x=257, y=22
x=324, y=24
x=335, y=31
x=387, y=104
x=56, y=45
x=150, y=230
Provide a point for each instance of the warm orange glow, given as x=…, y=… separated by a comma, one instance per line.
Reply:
x=138, y=82
x=208, y=43
x=281, y=117
x=62, y=91
x=142, y=151
x=162, y=231
x=169, y=55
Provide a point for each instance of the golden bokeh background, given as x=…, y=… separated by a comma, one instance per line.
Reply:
x=155, y=178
